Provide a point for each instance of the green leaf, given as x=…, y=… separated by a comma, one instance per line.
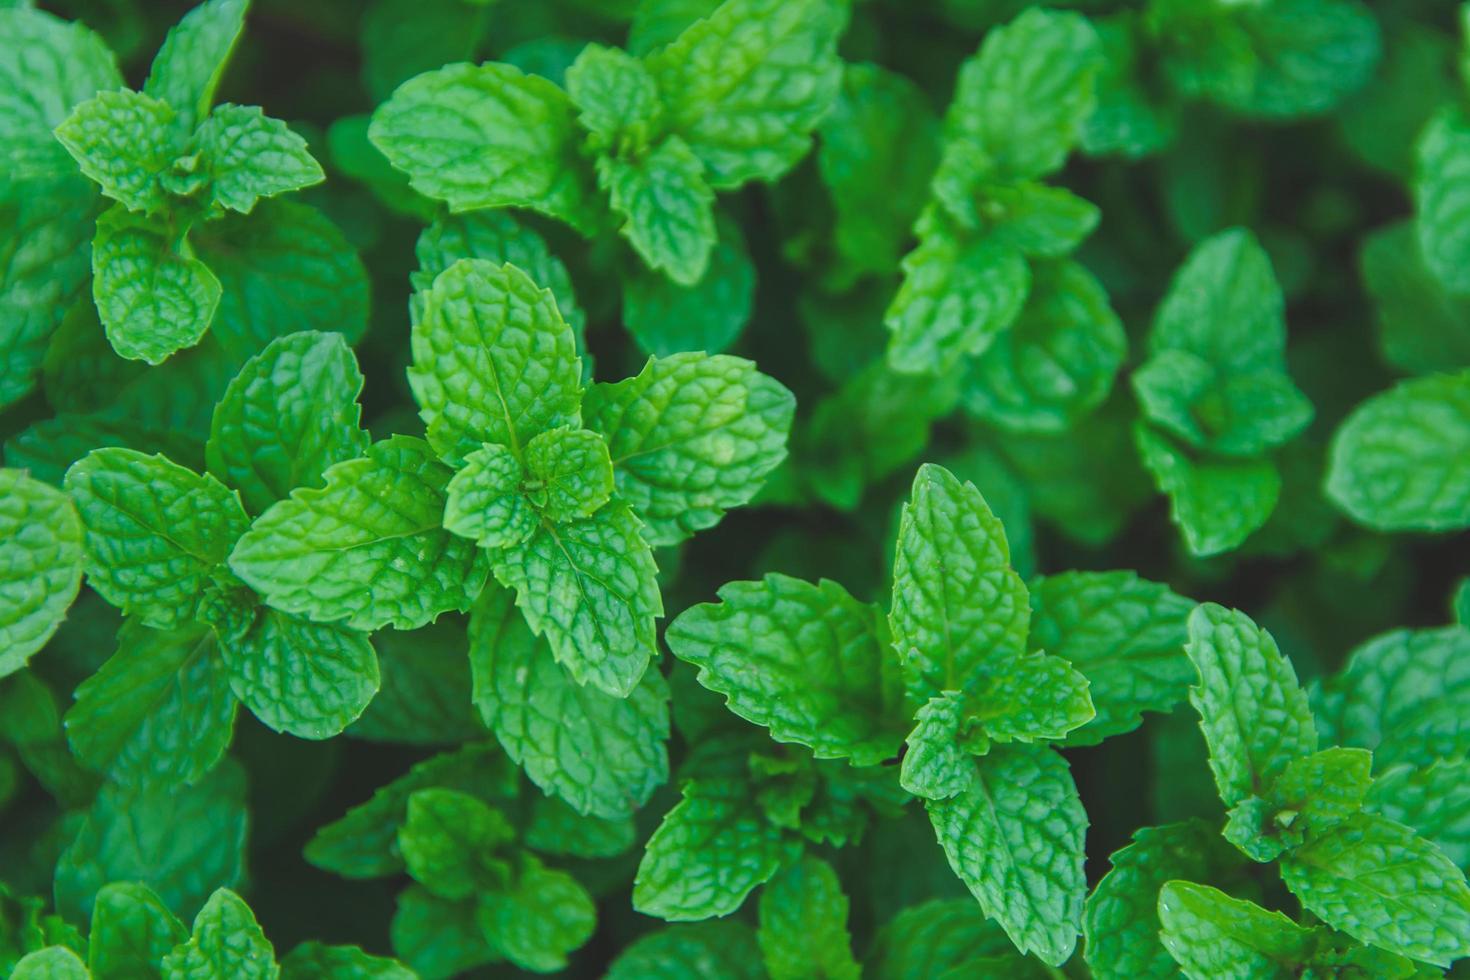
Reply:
x=188, y=68
x=437, y=938
x=569, y=473
x=803, y=924
x=153, y=295
x=542, y=917
x=960, y=612
x=720, y=950
x=1035, y=697
x=317, y=961
x=1421, y=326
x=666, y=318
x=125, y=141
x=1121, y=919
x=711, y=850
x=1254, y=715
x=1133, y=118
x=181, y=841
x=1442, y=197
x=1435, y=801
x=493, y=361
x=51, y=963
x=367, y=549
x=936, y=765
x=488, y=136
x=590, y=587
x=449, y=840
x=287, y=416
x=1057, y=362
x=691, y=437
x=1325, y=788
x=251, y=156
x=484, y=502
x=421, y=700
x=668, y=209
x=809, y=662
x=1038, y=221
x=1124, y=634
x=932, y=938
x=1401, y=460
x=1213, y=935
x=617, y=99
x=154, y=531
x=1216, y=503
x=401, y=38
x=227, y=942
x=1381, y=884
x=307, y=679
x=47, y=66
x=557, y=829
x=1014, y=837
x=132, y=930
x=1239, y=414
x=40, y=565
x=603, y=755
x=746, y=85
x=159, y=710
x=955, y=299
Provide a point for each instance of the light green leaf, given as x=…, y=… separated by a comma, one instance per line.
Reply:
x=1212, y=935
x=935, y=765
x=188, y=67
x=1243, y=413
x=1038, y=221
x=1421, y=327
x=617, y=99
x=711, y=850
x=539, y=919
x=1442, y=197
x=719, y=950
x=493, y=361
x=1376, y=881
x=1057, y=362
x=960, y=612
x=250, y=156
x=691, y=437
x=666, y=318
x=1435, y=801
x=40, y=565
x=809, y=662
x=226, y=942
x=1216, y=503
x=1034, y=697
x=449, y=840
x=437, y=938
x=307, y=679
x=50, y=963
x=1401, y=460
x=746, y=85
x=154, y=531
x=803, y=924
x=488, y=136
x=1325, y=788
x=1014, y=837
x=318, y=961
x=1124, y=634
x=668, y=209
x=153, y=296
x=484, y=502
x=590, y=587
x=1254, y=715
x=603, y=755
x=132, y=930
x=159, y=710
x=125, y=141
x=287, y=416
x=569, y=473
x=367, y=549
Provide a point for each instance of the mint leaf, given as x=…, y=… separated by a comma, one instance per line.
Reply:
x=437, y=937
x=1216, y=503
x=603, y=755
x=569, y=474
x=308, y=679
x=1398, y=463
x=421, y=700
x=317, y=961
x=226, y=942
x=1211, y=934
x=1419, y=322
x=1014, y=837
x=159, y=710
x=367, y=548
x=932, y=938
x=542, y=917
x=1239, y=414
x=188, y=67
x=590, y=587
x=665, y=318
x=936, y=765
x=617, y=100
x=154, y=531
x=1434, y=801
x=51, y=963
x=488, y=136
x=746, y=85
x=1442, y=194
x=153, y=295
x=1379, y=883
x=668, y=209
x=125, y=141
x=251, y=156
x=1132, y=118
x=803, y=924
x=691, y=437
x=809, y=662
x=720, y=950
x=132, y=930
x=493, y=361
x=448, y=841
x=288, y=415
x=40, y=565
x=484, y=500
x=1254, y=715
x=557, y=829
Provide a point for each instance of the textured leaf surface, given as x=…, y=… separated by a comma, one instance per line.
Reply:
x=691, y=437
x=617, y=99
x=124, y=141
x=935, y=765
x=1211, y=935
x=484, y=502
x=931, y=938
x=1224, y=306
x=226, y=942
x=153, y=531
x=449, y=842
x=252, y=156
x=132, y=930
x=318, y=961
x=803, y=924
x=1435, y=801
x=602, y=754
x=667, y=208
x=366, y=549
x=570, y=474
x=188, y=67
x=1217, y=503
x=1237, y=414
x=50, y=963
x=1421, y=326
x=666, y=318
x=720, y=950
x=809, y=662
x=436, y=937
x=541, y=918
x=40, y=565
x=1442, y=197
